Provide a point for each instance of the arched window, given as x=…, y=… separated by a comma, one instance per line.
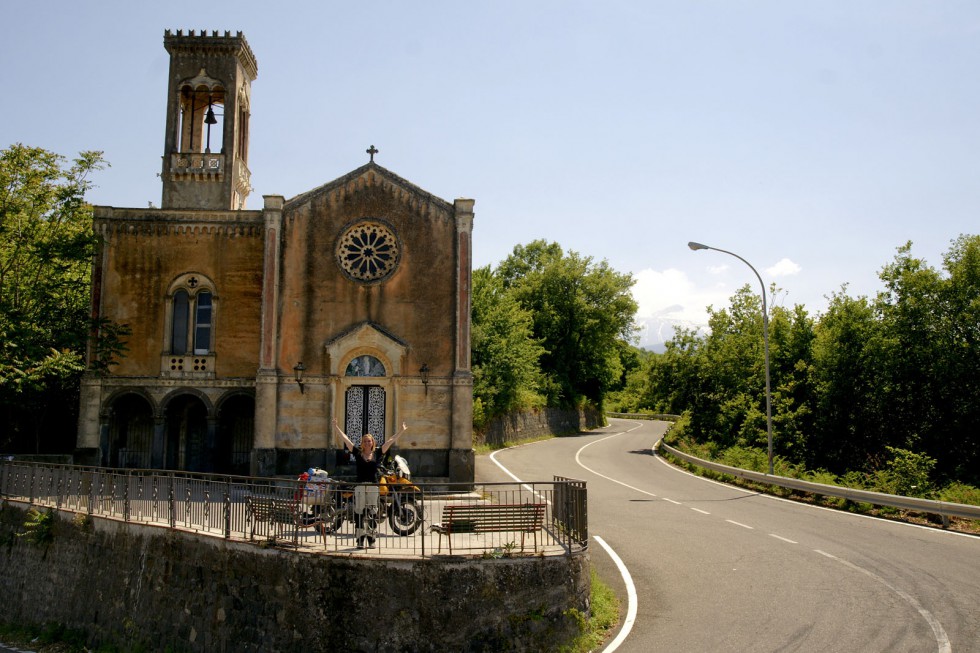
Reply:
x=201, y=127
x=191, y=313
x=365, y=366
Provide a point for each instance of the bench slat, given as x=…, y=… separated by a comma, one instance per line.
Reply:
x=491, y=518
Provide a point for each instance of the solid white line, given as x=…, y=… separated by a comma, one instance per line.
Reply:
x=740, y=524
x=624, y=572
x=523, y=484
x=630, y=598
x=942, y=639
x=780, y=537
x=608, y=478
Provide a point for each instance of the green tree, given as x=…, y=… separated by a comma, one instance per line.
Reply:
x=848, y=411
x=959, y=361
x=931, y=360
x=582, y=310
x=506, y=371
x=46, y=245
x=629, y=394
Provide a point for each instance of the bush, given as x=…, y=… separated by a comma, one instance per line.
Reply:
x=754, y=460
x=907, y=473
x=960, y=493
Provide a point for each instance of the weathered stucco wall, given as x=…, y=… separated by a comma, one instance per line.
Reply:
x=136, y=586
x=145, y=252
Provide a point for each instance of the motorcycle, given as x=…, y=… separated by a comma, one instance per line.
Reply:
x=399, y=501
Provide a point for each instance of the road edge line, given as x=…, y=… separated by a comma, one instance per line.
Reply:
x=631, y=598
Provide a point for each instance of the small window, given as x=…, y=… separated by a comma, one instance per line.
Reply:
x=365, y=366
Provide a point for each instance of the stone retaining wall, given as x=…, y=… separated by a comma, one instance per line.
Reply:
x=515, y=427
x=142, y=587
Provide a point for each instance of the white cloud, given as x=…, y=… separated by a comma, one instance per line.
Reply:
x=669, y=298
x=784, y=268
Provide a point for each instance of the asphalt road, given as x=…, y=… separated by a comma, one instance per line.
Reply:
x=717, y=569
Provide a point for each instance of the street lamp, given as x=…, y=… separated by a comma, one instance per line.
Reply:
x=765, y=339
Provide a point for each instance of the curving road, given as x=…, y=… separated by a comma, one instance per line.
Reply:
x=717, y=568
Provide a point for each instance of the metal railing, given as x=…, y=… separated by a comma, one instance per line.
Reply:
x=930, y=506
x=298, y=514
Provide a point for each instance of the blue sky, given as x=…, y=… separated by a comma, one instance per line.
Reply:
x=811, y=138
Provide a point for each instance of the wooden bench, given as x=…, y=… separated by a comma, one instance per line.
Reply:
x=278, y=513
x=520, y=518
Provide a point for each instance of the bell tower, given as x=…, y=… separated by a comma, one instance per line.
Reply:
x=205, y=153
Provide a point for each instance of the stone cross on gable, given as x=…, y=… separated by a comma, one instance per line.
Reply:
x=372, y=151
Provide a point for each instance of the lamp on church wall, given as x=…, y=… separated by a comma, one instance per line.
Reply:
x=298, y=370
x=424, y=375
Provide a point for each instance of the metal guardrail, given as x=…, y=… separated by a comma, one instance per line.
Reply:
x=219, y=505
x=942, y=508
x=666, y=417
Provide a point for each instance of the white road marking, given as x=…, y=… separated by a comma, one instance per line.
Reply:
x=942, y=639
x=784, y=539
x=740, y=524
x=676, y=503
x=608, y=478
x=523, y=484
x=703, y=512
x=631, y=597
x=843, y=513
x=630, y=594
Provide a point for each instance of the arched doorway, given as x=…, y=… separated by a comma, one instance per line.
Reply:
x=187, y=435
x=236, y=434
x=130, y=432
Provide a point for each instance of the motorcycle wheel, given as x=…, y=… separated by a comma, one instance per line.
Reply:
x=331, y=520
x=405, y=519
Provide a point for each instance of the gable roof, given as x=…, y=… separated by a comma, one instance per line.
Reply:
x=370, y=174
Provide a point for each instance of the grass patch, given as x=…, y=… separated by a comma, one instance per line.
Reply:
x=50, y=638
x=605, y=617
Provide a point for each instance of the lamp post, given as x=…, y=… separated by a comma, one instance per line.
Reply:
x=765, y=339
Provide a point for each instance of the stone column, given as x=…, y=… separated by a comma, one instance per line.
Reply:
x=266, y=382
x=461, y=459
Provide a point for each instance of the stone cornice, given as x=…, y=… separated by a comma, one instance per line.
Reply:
x=110, y=220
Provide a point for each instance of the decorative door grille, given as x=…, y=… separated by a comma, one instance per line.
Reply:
x=365, y=413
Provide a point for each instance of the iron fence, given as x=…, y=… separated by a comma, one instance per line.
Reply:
x=409, y=520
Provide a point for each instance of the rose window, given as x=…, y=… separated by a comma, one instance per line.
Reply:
x=368, y=251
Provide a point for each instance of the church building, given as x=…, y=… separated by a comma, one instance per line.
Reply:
x=251, y=331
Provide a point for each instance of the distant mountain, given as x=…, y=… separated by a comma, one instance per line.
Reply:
x=654, y=332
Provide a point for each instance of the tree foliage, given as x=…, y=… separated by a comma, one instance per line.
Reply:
x=549, y=327
x=581, y=312
x=868, y=383
x=506, y=372
x=46, y=245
